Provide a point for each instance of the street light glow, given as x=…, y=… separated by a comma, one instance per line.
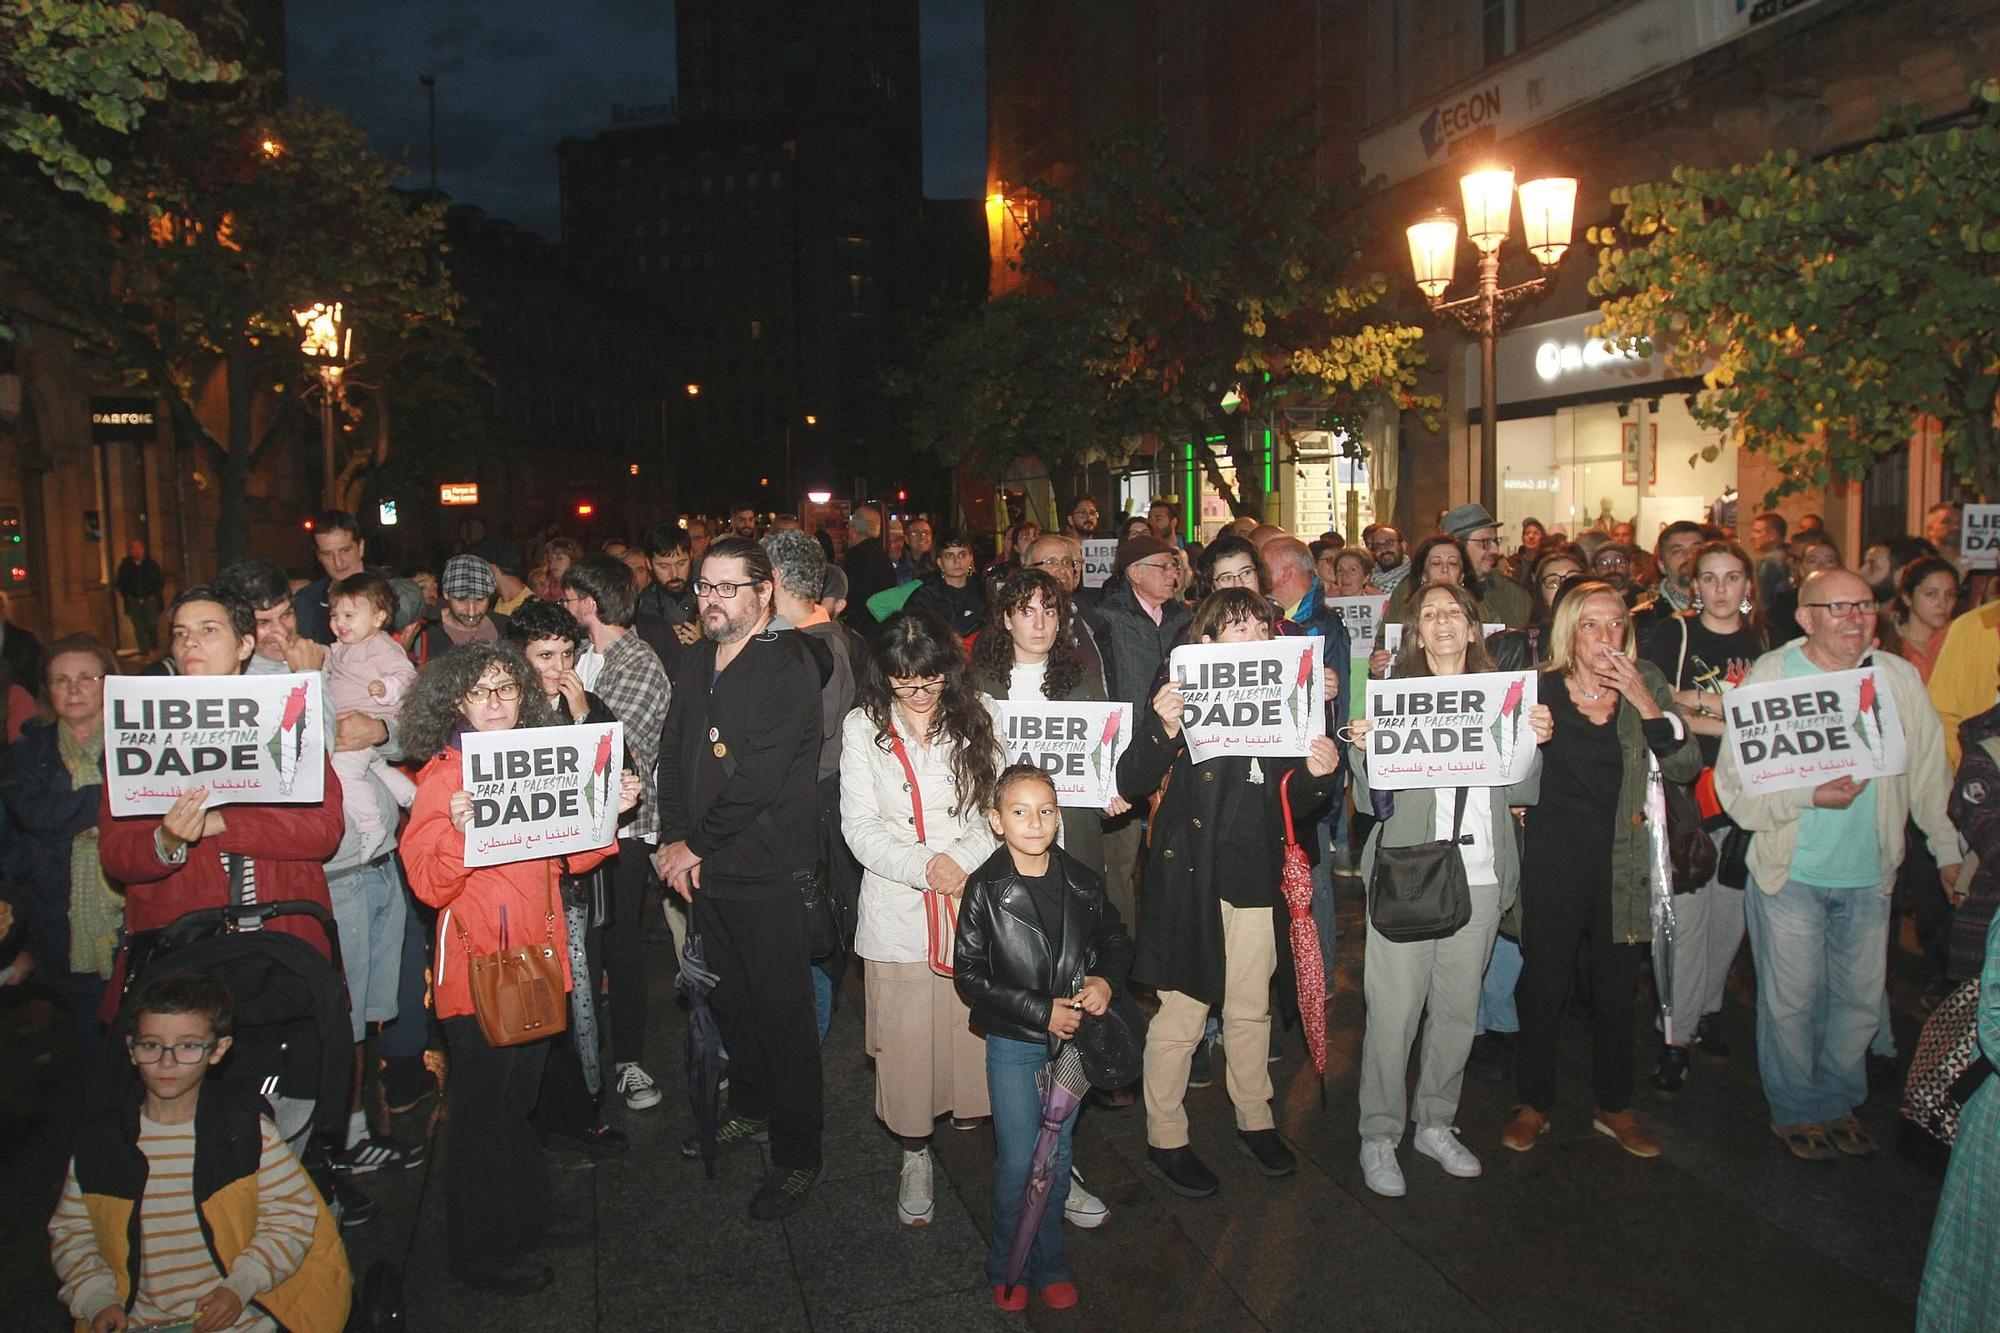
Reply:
x=1548, y=210
x=327, y=338
x=1434, y=253
x=1489, y=203
x=694, y=390
x=819, y=497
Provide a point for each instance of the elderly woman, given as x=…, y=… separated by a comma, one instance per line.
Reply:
x=496, y=1181
x=1435, y=982
x=918, y=757
x=51, y=781
x=1585, y=873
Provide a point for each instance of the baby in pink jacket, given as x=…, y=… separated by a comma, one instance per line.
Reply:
x=367, y=671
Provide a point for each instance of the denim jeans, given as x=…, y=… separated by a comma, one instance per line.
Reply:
x=1011, y=1067
x=822, y=1002
x=1821, y=957
x=1496, y=992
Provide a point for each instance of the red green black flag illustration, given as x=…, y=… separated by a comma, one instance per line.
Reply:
x=288, y=743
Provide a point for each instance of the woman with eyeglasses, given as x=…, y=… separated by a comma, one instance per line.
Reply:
x=496, y=1186
x=918, y=757
x=51, y=780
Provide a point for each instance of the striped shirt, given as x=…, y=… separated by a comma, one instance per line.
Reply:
x=175, y=1266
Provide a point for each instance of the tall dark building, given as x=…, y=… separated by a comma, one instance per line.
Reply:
x=775, y=212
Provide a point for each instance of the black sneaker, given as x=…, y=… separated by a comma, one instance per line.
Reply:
x=1273, y=1157
x=1183, y=1172
x=372, y=1154
x=600, y=1140
x=1672, y=1071
x=731, y=1133
x=1708, y=1037
x=351, y=1205
x=783, y=1193
x=1201, y=1070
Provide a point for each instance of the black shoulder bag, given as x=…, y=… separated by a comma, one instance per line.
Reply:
x=1419, y=892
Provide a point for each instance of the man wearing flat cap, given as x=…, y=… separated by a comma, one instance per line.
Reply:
x=467, y=615
x=1501, y=600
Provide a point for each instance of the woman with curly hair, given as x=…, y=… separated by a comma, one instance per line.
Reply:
x=496, y=1183
x=1026, y=652
x=918, y=757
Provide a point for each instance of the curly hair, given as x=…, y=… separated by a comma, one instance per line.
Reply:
x=431, y=712
x=1411, y=660
x=916, y=645
x=993, y=650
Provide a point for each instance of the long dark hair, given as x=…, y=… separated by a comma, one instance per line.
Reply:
x=1410, y=657
x=993, y=650
x=431, y=712
x=1418, y=561
x=1907, y=583
x=1754, y=622
x=914, y=644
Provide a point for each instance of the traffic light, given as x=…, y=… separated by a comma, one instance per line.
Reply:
x=902, y=495
x=13, y=550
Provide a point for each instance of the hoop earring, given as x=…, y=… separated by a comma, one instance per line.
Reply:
x=1746, y=608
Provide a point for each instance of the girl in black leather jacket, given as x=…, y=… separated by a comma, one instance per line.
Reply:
x=1039, y=945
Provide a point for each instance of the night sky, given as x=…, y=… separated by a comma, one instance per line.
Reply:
x=515, y=76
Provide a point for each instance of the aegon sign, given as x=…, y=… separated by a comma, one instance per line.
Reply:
x=1449, y=122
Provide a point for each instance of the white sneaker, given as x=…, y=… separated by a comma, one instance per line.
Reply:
x=1379, y=1169
x=636, y=1086
x=1440, y=1144
x=1082, y=1208
x=913, y=1192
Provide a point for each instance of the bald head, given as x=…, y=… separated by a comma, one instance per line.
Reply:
x=1289, y=563
x=1837, y=612
x=1265, y=533
x=1059, y=556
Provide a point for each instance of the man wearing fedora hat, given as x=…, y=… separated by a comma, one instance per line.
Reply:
x=1501, y=600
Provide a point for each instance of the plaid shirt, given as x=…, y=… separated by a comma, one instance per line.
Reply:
x=634, y=687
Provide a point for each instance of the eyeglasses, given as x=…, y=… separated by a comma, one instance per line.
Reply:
x=1242, y=578
x=570, y=599
x=1057, y=562
x=1482, y=541
x=189, y=1052
x=1156, y=567
x=920, y=690
x=1611, y=562
x=726, y=591
x=1842, y=610
x=1554, y=581
x=74, y=682
x=506, y=693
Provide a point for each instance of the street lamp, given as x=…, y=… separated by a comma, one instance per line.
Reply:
x=1548, y=208
x=329, y=344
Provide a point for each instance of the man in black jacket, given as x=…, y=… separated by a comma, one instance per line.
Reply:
x=867, y=563
x=141, y=584
x=738, y=838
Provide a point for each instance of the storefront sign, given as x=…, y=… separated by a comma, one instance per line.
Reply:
x=242, y=739
x=123, y=420
x=1558, y=358
x=1076, y=744
x=458, y=493
x=1250, y=698
x=1979, y=537
x=541, y=791
x=1791, y=734
x=1450, y=731
x=1098, y=555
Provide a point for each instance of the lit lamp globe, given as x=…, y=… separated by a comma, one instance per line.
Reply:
x=1434, y=253
x=1548, y=211
x=1489, y=203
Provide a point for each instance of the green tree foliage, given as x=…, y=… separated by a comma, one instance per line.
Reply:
x=243, y=211
x=1839, y=300
x=1153, y=288
x=74, y=73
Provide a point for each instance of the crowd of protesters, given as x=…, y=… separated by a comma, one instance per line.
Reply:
x=815, y=758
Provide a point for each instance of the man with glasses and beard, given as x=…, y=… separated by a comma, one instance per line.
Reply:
x=1501, y=600
x=739, y=760
x=665, y=613
x=1392, y=561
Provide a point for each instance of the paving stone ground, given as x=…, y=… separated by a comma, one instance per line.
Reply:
x=1725, y=1231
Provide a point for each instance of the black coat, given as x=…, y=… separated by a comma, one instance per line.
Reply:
x=50, y=812
x=1134, y=648
x=963, y=609
x=1180, y=947
x=869, y=570
x=1008, y=969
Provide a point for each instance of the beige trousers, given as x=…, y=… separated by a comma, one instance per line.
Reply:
x=928, y=1061
x=1249, y=957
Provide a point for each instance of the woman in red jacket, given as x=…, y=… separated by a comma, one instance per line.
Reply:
x=496, y=1185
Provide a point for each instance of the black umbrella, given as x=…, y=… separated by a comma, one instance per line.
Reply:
x=705, y=1055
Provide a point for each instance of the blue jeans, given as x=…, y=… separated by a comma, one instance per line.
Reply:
x=408, y=1034
x=822, y=1002
x=1822, y=959
x=1496, y=993
x=1011, y=1067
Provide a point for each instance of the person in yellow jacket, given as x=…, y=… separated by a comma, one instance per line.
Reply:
x=1966, y=680
x=229, y=1232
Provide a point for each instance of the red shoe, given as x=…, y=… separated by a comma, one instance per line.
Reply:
x=1014, y=1299
x=1059, y=1295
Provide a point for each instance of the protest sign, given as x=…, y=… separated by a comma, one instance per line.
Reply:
x=1076, y=744
x=1363, y=618
x=541, y=791
x=1979, y=537
x=1812, y=729
x=1098, y=555
x=1450, y=731
x=1392, y=635
x=245, y=739
x=1264, y=698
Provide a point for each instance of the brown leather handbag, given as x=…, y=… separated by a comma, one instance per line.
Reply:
x=517, y=993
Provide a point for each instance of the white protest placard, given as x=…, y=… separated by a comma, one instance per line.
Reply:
x=1392, y=635
x=1265, y=698
x=1098, y=555
x=1363, y=618
x=1450, y=731
x=1812, y=729
x=1076, y=744
x=248, y=740
x=541, y=791
x=1979, y=537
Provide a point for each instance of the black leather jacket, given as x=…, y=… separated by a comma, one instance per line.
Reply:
x=1008, y=969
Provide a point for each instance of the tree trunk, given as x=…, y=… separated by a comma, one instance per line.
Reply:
x=232, y=524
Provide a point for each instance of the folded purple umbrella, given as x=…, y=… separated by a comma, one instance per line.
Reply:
x=1063, y=1087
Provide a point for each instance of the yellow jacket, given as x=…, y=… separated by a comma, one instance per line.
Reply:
x=1966, y=680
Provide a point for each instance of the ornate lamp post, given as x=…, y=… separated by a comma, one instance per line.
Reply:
x=1548, y=208
x=329, y=345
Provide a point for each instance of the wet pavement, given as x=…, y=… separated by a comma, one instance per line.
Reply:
x=1724, y=1231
